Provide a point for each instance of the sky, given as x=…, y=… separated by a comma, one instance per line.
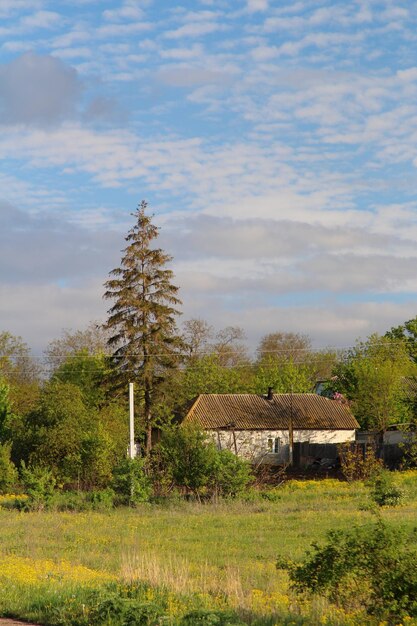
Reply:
x=275, y=142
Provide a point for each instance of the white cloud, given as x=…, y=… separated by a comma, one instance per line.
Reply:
x=190, y=52
x=257, y=5
x=194, y=29
x=11, y=7
x=37, y=89
x=289, y=144
x=122, y=30
x=128, y=10
x=40, y=19
x=50, y=308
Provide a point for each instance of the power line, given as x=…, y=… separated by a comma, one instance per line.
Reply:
x=288, y=351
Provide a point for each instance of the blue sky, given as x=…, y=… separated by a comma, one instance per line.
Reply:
x=276, y=143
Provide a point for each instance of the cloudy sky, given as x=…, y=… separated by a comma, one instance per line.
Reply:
x=275, y=141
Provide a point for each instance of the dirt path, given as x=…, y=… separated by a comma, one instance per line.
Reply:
x=12, y=622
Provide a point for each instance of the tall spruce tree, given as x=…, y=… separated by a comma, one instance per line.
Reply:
x=142, y=320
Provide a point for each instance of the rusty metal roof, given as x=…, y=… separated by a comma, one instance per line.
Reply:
x=254, y=412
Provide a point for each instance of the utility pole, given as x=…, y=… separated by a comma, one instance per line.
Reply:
x=132, y=450
x=291, y=435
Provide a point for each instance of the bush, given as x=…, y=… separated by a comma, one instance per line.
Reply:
x=384, y=491
x=131, y=483
x=211, y=618
x=194, y=464
x=188, y=458
x=39, y=484
x=101, y=499
x=231, y=474
x=409, y=450
x=358, y=466
x=129, y=604
x=96, y=459
x=374, y=567
x=8, y=471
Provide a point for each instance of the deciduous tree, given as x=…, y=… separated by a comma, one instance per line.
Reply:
x=372, y=377
x=284, y=345
x=20, y=370
x=90, y=341
x=406, y=332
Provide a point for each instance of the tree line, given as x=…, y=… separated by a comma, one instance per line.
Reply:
x=68, y=411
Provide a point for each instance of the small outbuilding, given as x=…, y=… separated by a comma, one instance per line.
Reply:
x=261, y=428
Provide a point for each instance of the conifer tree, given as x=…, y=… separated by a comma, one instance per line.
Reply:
x=142, y=320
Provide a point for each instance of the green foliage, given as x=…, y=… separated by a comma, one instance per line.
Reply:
x=101, y=499
x=372, y=379
x=142, y=319
x=21, y=372
x=57, y=429
x=88, y=372
x=71, y=439
x=8, y=471
x=188, y=458
x=356, y=465
x=408, y=448
x=208, y=375
x=91, y=340
x=97, y=458
x=78, y=501
x=131, y=482
x=5, y=410
x=384, y=490
x=113, y=418
x=204, y=617
x=16, y=365
x=231, y=474
x=134, y=604
x=371, y=565
x=193, y=463
x=283, y=375
x=407, y=333
x=39, y=484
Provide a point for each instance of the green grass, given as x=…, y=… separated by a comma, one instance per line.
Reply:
x=222, y=553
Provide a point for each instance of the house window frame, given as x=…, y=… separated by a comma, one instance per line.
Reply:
x=274, y=445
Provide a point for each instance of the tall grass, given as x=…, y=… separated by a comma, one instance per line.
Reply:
x=214, y=555
x=182, y=577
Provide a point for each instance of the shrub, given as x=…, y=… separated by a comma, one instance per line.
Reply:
x=202, y=617
x=39, y=484
x=358, y=466
x=131, y=483
x=97, y=458
x=374, y=566
x=8, y=471
x=384, y=491
x=409, y=450
x=101, y=499
x=193, y=463
x=231, y=474
x=189, y=458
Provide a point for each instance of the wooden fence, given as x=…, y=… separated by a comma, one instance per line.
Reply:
x=305, y=453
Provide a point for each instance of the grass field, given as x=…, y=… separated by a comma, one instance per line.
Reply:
x=192, y=556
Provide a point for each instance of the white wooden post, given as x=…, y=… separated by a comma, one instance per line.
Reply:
x=132, y=450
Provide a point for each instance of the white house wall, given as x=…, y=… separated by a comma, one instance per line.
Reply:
x=253, y=444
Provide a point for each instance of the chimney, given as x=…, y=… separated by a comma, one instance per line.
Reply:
x=270, y=394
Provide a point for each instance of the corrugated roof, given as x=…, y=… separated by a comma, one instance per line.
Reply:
x=253, y=412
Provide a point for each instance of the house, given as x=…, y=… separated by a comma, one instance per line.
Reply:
x=258, y=427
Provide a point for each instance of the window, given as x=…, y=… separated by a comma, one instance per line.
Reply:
x=274, y=445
